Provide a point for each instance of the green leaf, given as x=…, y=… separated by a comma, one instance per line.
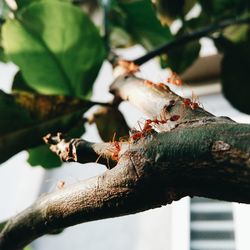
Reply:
x=19, y=84
x=42, y=156
x=219, y=9
x=2, y=56
x=235, y=75
x=25, y=118
x=237, y=33
x=170, y=10
x=56, y=46
x=27, y=248
x=2, y=225
x=138, y=19
x=12, y=115
x=24, y=3
x=182, y=56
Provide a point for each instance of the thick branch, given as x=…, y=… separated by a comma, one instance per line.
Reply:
x=200, y=155
x=210, y=160
x=154, y=100
x=79, y=150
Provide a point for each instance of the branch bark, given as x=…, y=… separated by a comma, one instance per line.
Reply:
x=198, y=154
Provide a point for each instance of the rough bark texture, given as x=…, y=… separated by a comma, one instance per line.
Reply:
x=197, y=154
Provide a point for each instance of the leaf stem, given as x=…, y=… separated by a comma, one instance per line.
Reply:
x=190, y=37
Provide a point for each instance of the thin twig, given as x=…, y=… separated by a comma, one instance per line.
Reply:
x=189, y=37
x=106, y=25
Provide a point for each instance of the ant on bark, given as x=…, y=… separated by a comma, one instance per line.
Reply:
x=115, y=155
x=129, y=66
x=192, y=103
x=174, y=79
x=148, y=127
x=60, y=184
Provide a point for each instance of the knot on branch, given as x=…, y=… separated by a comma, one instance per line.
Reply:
x=62, y=146
x=223, y=151
x=220, y=146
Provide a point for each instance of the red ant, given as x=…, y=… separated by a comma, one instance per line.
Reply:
x=174, y=118
x=174, y=79
x=147, y=128
x=129, y=66
x=193, y=104
x=60, y=184
x=115, y=155
x=163, y=86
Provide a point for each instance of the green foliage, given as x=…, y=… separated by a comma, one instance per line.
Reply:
x=42, y=156
x=138, y=19
x=170, y=10
x=182, y=56
x=2, y=225
x=2, y=55
x=34, y=117
x=19, y=84
x=56, y=46
x=221, y=9
x=27, y=248
x=24, y=3
x=235, y=74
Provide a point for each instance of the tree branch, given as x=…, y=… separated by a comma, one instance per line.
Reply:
x=200, y=155
x=154, y=100
x=190, y=37
x=211, y=160
x=79, y=150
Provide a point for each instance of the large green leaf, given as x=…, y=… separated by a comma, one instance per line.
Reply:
x=56, y=46
x=138, y=18
x=25, y=118
x=24, y=3
x=19, y=84
x=235, y=75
